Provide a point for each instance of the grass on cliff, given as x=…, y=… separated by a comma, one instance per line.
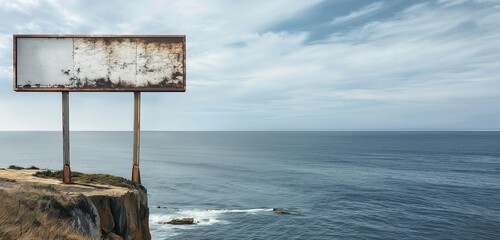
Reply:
x=78, y=177
x=15, y=167
x=38, y=215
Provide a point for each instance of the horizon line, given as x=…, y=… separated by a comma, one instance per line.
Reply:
x=353, y=130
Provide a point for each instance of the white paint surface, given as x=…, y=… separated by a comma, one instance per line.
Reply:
x=123, y=61
x=90, y=62
x=94, y=63
x=42, y=61
x=155, y=63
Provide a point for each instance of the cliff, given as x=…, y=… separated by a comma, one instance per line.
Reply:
x=96, y=206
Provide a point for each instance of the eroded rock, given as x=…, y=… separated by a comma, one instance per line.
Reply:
x=285, y=212
x=180, y=221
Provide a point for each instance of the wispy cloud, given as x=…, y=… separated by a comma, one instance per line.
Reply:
x=363, y=12
x=431, y=65
x=19, y=6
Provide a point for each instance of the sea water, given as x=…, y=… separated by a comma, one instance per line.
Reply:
x=344, y=185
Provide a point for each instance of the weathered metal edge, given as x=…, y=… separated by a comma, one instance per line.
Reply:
x=50, y=89
x=185, y=73
x=95, y=36
x=14, y=61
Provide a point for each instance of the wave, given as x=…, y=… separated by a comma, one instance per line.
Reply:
x=203, y=216
x=253, y=210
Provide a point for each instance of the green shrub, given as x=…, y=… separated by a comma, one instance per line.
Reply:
x=78, y=177
x=15, y=167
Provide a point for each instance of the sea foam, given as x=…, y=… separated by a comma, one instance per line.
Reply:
x=203, y=216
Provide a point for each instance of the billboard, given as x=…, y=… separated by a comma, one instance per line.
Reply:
x=95, y=63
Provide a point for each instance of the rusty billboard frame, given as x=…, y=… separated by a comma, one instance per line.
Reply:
x=180, y=38
x=160, y=40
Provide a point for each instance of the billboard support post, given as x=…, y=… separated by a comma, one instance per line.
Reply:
x=65, y=127
x=136, y=175
x=99, y=63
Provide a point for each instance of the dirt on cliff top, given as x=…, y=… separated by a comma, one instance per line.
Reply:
x=14, y=178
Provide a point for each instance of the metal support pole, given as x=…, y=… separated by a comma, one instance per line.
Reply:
x=136, y=175
x=65, y=127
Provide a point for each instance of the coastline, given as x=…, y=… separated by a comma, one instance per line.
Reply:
x=92, y=210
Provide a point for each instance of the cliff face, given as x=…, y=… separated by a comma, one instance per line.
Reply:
x=98, y=211
x=84, y=217
x=126, y=215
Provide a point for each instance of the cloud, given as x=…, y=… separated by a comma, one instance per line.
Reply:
x=19, y=6
x=363, y=12
x=430, y=65
x=451, y=3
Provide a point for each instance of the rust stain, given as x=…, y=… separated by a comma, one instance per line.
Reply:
x=162, y=40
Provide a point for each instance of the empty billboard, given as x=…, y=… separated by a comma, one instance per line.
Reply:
x=94, y=63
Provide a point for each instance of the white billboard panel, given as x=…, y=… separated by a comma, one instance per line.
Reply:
x=99, y=63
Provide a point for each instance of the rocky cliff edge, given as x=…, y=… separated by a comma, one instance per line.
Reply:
x=83, y=210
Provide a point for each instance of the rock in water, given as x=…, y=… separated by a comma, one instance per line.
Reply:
x=180, y=221
x=279, y=211
x=285, y=212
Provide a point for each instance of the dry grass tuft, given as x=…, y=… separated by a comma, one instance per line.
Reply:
x=36, y=213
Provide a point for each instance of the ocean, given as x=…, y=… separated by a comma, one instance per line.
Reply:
x=343, y=185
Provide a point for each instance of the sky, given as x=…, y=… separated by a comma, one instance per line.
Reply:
x=280, y=65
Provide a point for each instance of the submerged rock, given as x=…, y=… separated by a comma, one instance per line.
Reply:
x=285, y=212
x=180, y=221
